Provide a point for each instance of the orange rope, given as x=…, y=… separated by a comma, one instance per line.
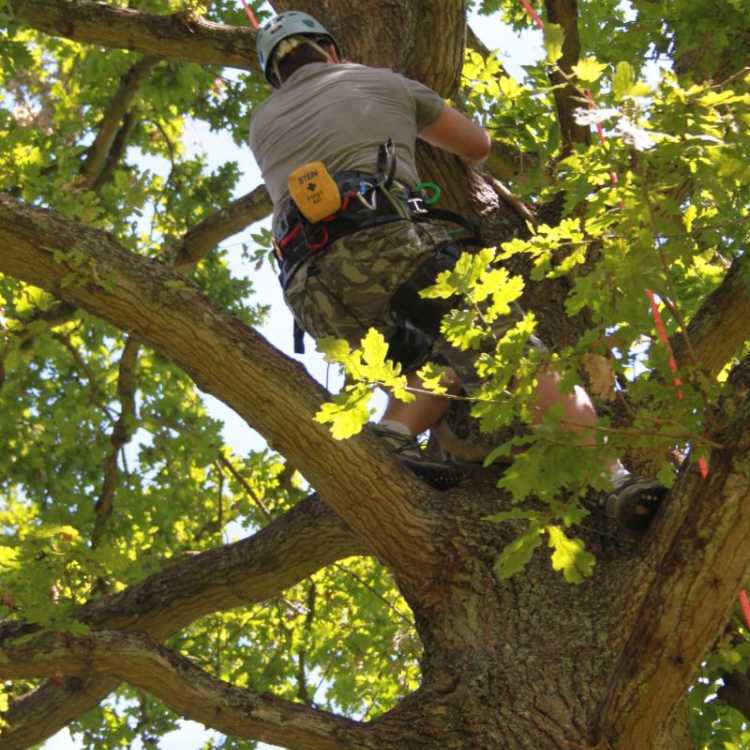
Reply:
x=534, y=15
x=745, y=606
x=660, y=327
x=250, y=15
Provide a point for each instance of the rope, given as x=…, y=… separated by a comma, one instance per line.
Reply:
x=250, y=15
x=532, y=13
x=745, y=606
x=660, y=327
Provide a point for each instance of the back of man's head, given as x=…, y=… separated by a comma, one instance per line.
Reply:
x=290, y=40
x=297, y=51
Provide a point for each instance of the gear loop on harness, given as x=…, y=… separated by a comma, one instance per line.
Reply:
x=296, y=238
x=431, y=198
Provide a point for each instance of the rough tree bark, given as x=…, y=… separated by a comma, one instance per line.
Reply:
x=532, y=663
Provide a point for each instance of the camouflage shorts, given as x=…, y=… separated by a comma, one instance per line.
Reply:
x=347, y=289
x=360, y=281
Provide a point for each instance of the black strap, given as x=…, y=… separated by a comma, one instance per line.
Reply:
x=386, y=163
x=299, y=338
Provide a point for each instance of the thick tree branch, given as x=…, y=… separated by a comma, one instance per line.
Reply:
x=253, y=570
x=100, y=150
x=117, y=150
x=233, y=218
x=565, y=13
x=270, y=391
x=681, y=594
x=121, y=434
x=722, y=324
x=186, y=689
x=181, y=35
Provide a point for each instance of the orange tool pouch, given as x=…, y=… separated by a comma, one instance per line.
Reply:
x=314, y=191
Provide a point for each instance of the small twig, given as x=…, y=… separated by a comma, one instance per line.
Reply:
x=220, y=495
x=250, y=491
x=373, y=592
x=303, y=692
x=120, y=436
x=686, y=436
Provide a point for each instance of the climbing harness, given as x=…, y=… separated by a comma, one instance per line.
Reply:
x=323, y=208
x=363, y=200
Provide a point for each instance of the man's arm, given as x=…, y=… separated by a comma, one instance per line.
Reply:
x=456, y=133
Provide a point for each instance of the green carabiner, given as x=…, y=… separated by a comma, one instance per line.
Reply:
x=434, y=196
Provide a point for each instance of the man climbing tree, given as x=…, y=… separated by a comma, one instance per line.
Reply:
x=357, y=245
x=501, y=613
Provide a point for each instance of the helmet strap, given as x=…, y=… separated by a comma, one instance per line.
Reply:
x=311, y=43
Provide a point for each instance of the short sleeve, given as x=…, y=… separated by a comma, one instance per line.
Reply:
x=428, y=103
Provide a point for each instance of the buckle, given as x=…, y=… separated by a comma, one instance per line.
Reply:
x=416, y=205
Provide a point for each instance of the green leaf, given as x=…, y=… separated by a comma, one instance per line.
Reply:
x=570, y=556
x=374, y=348
x=335, y=351
x=347, y=414
x=516, y=555
x=9, y=559
x=510, y=88
x=666, y=474
x=623, y=80
x=554, y=38
x=589, y=69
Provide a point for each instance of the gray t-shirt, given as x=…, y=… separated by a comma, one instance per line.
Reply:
x=339, y=114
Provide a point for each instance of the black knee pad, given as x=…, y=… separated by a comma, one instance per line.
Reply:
x=426, y=314
x=409, y=346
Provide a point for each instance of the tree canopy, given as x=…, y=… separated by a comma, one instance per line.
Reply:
x=363, y=609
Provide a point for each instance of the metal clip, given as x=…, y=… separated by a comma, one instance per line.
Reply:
x=373, y=204
x=416, y=205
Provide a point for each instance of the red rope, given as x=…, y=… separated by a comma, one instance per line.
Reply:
x=250, y=15
x=745, y=606
x=661, y=330
x=600, y=130
x=534, y=15
x=660, y=327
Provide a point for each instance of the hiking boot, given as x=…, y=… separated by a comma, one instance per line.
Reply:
x=634, y=501
x=441, y=475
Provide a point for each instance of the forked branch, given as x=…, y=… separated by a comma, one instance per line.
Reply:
x=233, y=218
x=186, y=689
x=267, y=389
x=109, y=127
x=253, y=570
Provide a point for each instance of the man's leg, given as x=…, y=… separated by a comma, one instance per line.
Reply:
x=426, y=409
x=634, y=500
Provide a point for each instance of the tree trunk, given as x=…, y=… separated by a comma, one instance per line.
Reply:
x=530, y=663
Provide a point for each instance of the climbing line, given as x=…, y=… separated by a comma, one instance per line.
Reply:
x=745, y=606
x=658, y=321
x=532, y=13
x=250, y=15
